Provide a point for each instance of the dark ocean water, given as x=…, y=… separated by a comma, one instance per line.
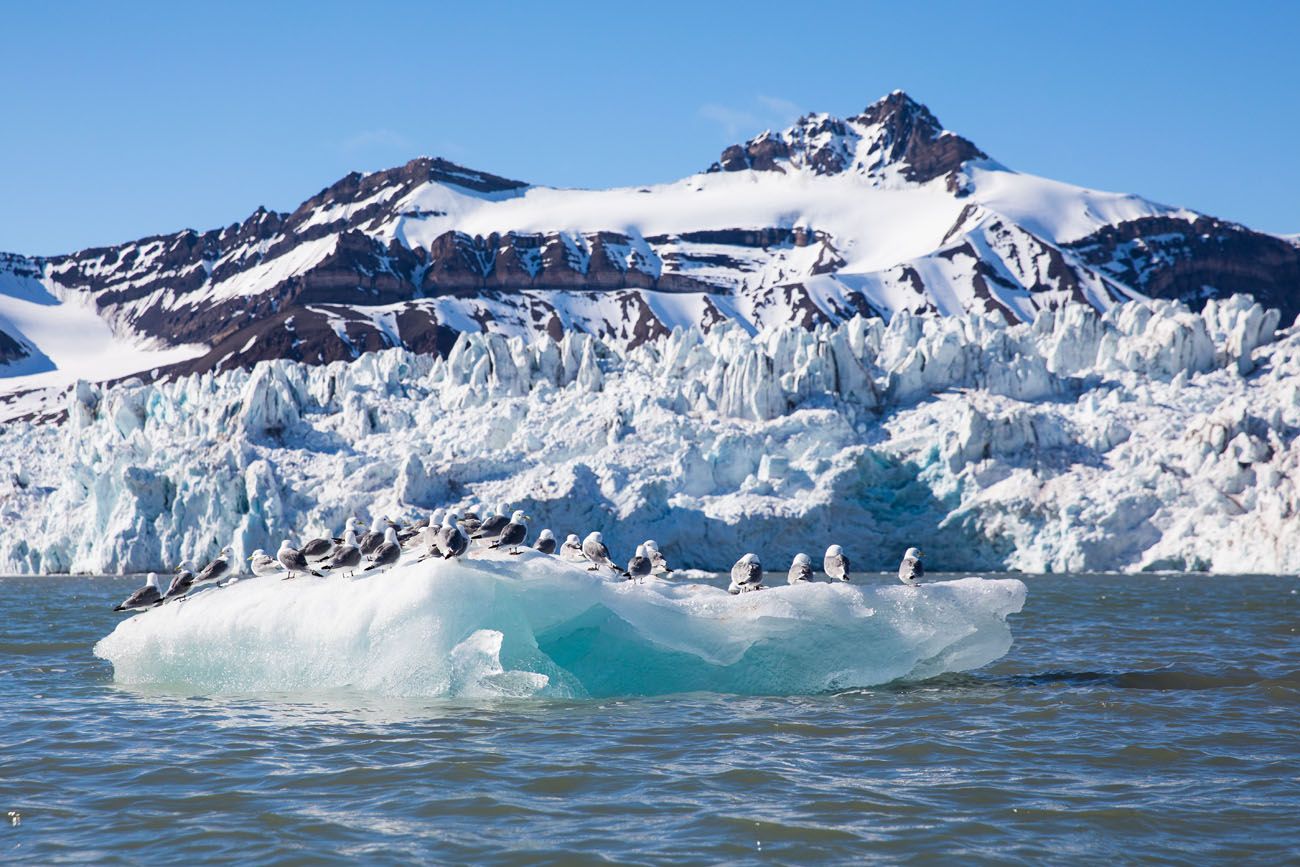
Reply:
x=1136, y=719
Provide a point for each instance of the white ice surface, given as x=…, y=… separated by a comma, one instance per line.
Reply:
x=1146, y=437
x=71, y=340
x=536, y=626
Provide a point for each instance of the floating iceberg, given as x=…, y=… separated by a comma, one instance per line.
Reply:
x=535, y=626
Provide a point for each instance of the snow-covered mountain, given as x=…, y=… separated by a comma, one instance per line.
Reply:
x=873, y=214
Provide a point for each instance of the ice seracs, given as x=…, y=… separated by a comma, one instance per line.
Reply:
x=910, y=571
x=1120, y=440
x=746, y=575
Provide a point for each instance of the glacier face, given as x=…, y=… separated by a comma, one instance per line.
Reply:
x=499, y=626
x=1145, y=437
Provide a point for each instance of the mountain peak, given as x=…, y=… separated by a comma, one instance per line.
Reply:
x=894, y=134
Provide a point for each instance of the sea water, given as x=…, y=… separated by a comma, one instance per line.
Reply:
x=1135, y=717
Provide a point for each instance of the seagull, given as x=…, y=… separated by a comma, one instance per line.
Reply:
x=386, y=554
x=472, y=520
x=374, y=537
x=315, y=549
x=514, y=533
x=746, y=575
x=346, y=555
x=594, y=549
x=217, y=568
x=144, y=597
x=493, y=525
x=801, y=571
x=571, y=550
x=639, y=566
x=293, y=560
x=264, y=564
x=658, y=565
x=182, y=580
x=910, y=571
x=450, y=540
x=545, y=542
x=835, y=564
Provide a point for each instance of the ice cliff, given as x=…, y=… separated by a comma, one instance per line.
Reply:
x=536, y=626
x=1145, y=437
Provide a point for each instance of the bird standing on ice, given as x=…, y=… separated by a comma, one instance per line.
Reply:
x=746, y=575
x=571, y=550
x=388, y=553
x=513, y=534
x=144, y=597
x=347, y=555
x=545, y=542
x=451, y=541
x=594, y=548
x=293, y=560
x=910, y=571
x=639, y=566
x=835, y=564
x=658, y=564
x=182, y=580
x=493, y=526
x=375, y=537
x=263, y=564
x=218, y=568
x=801, y=570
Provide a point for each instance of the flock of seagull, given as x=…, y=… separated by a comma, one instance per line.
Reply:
x=447, y=535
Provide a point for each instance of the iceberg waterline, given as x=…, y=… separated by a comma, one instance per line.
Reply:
x=1144, y=437
x=536, y=626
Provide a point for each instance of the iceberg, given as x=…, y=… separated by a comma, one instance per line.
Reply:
x=535, y=626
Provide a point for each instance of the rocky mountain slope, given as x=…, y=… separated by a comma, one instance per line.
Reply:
x=874, y=214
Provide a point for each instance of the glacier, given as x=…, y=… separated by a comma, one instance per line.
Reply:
x=1144, y=437
x=496, y=626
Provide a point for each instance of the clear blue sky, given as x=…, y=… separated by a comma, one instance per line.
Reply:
x=127, y=120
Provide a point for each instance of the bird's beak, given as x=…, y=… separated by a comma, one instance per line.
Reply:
x=528, y=517
x=249, y=557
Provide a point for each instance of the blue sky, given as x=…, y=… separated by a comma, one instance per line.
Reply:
x=125, y=121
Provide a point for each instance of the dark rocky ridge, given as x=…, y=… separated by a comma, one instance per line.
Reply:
x=162, y=286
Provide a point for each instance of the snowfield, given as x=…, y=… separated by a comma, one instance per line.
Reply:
x=1146, y=437
x=536, y=626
